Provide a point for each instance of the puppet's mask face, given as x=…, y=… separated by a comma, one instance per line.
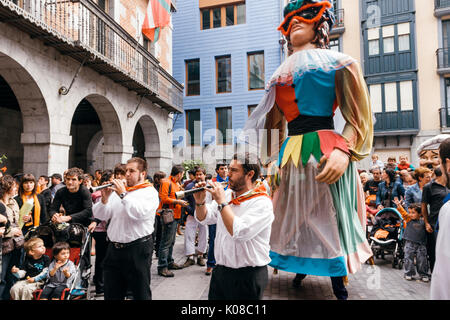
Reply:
x=429, y=159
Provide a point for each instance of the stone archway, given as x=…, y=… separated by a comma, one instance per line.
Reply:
x=152, y=143
x=96, y=113
x=35, y=131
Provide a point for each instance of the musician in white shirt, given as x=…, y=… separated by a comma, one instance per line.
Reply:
x=244, y=217
x=131, y=212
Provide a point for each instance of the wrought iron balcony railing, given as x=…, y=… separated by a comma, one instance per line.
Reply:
x=443, y=60
x=399, y=122
x=339, y=26
x=441, y=7
x=80, y=29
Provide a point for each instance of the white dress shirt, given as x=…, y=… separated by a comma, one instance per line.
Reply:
x=132, y=217
x=249, y=246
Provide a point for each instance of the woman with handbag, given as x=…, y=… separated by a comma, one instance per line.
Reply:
x=13, y=238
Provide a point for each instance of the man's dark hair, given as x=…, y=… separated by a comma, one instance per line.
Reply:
x=444, y=153
x=98, y=171
x=192, y=171
x=221, y=164
x=46, y=178
x=141, y=163
x=438, y=172
x=75, y=172
x=197, y=169
x=208, y=176
x=249, y=162
x=120, y=168
x=176, y=169
x=56, y=176
x=60, y=246
x=106, y=176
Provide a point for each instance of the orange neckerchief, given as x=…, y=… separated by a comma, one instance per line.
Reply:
x=140, y=186
x=37, y=209
x=258, y=191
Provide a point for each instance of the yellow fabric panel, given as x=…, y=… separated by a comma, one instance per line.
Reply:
x=353, y=100
x=293, y=150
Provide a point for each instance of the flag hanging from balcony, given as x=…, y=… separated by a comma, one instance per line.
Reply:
x=156, y=17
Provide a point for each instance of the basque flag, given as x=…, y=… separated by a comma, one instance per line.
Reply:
x=156, y=17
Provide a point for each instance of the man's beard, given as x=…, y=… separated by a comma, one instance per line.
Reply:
x=237, y=185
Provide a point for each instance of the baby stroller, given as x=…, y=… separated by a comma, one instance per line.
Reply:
x=386, y=236
x=78, y=238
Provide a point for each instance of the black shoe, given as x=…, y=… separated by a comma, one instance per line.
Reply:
x=174, y=266
x=297, y=282
x=165, y=273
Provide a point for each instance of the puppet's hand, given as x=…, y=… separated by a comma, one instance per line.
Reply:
x=334, y=168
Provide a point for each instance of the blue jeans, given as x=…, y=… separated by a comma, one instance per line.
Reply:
x=211, y=263
x=168, y=234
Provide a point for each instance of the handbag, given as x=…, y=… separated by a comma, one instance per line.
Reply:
x=165, y=213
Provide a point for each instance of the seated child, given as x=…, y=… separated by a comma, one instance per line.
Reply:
x=61, y=272
x=415, y=237
x=33, y=270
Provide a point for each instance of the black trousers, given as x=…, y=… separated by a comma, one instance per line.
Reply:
x=128, y=268
x=431, y=248
x=246, y=283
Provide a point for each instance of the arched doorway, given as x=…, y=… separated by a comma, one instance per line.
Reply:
x=25, y=123
x=11, y=128
x=147, y=143
x=96, y=135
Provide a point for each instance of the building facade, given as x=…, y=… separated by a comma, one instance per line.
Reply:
x=224, y=53
x=81, y=86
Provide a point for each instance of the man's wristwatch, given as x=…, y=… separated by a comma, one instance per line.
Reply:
x=221, y=206
x=122, y=195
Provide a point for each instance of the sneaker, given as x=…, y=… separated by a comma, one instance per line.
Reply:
x=189, y=262
x=165, y=273
x=201, y=261
x=208, y=271
x=409, y=278
x=425, y=279
x=174, y=266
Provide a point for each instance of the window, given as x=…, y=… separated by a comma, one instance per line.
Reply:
x=374, y=42
x=376, y=98
x=223, y=15
x=193, y=126
x=224, y=125
x=255, y=70
x=193, y=77
x=390, y=97
x=206, y=19
x=223, y=74
x=334, y=44
x=403, y=31
x=251, y=108
x=388, y=39
x=406, y=95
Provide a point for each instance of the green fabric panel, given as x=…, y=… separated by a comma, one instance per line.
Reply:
x=345, y=200
x=310, y=144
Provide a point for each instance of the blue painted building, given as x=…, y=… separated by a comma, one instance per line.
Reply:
x=224, y=52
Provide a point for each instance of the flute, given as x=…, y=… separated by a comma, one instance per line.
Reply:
x=182, y=194
x=93, y=189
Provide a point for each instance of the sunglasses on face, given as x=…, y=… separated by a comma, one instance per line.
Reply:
x=310, y=13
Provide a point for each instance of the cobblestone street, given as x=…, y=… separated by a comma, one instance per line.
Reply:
x=379, y=282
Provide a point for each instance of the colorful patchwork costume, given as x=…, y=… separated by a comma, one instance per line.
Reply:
x=318, y=228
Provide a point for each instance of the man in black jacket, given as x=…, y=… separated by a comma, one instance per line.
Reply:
x=74, y=198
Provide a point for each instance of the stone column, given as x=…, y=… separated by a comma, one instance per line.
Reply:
x=114, y=154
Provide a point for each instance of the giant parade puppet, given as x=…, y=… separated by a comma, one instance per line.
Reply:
x=318, y=200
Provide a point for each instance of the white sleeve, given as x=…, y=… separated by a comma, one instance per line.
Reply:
x=211, y=214
x=103, y=211
x=139, y=205
x=257, y=217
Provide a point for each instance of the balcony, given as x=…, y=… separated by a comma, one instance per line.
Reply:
x=396, y=123
x=81, y=30
x=441, y=8
x=338, y=27
x=443, y=60
x=444, y=119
